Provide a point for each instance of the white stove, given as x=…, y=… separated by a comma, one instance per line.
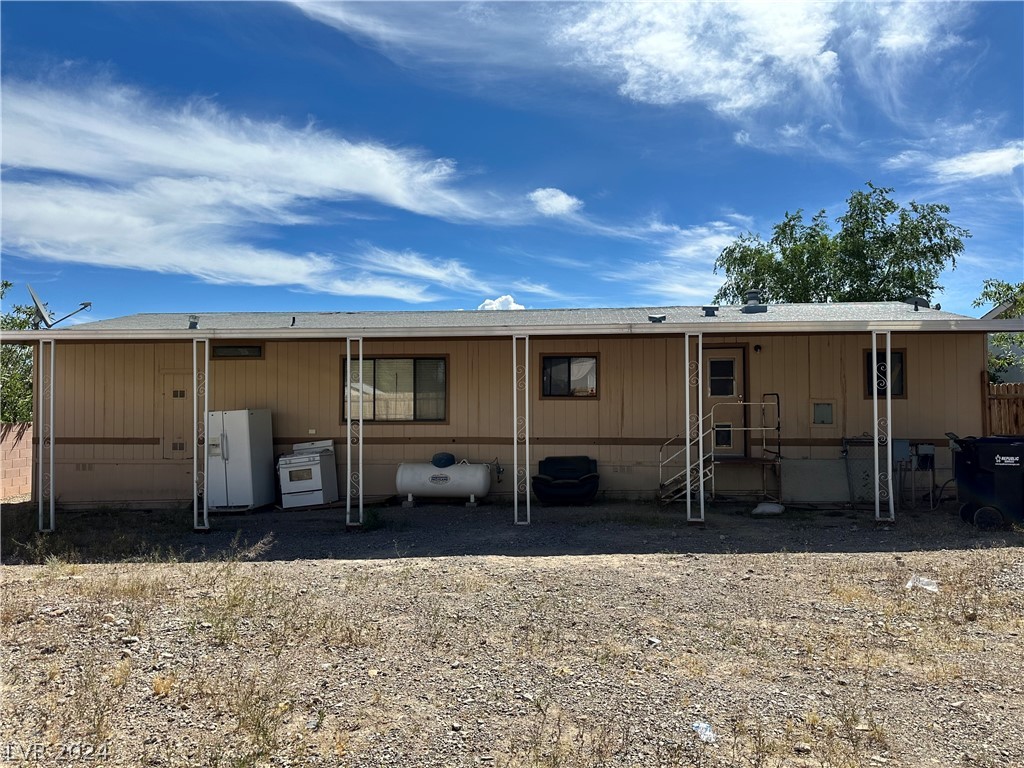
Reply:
x=308, y=475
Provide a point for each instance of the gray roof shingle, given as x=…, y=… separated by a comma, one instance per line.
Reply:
x=866, y=312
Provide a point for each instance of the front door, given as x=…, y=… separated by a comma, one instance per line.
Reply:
x=724, y=399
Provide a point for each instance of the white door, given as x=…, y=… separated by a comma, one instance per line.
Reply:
x=724, y=398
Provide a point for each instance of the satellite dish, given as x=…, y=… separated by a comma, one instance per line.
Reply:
x=44, y=317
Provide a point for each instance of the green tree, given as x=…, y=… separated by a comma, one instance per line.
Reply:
x=882, y=252
x=15, y=364
x=1006, y=349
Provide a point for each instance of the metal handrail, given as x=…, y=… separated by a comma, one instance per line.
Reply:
x=709, y=458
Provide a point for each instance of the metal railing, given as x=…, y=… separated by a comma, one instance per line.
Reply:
x=679, y=476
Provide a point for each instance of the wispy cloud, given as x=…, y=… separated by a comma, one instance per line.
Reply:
x=977, y=165
x=97, y=173
x=783, y=73
x=130, y=229
x=449, y=273
x=1000, y=161
x=113, y=133
x=680, y=273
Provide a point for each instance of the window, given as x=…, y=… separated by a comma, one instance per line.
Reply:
x=822, y=413
x=897, y=376
x=569, y=376
x=722, y=378
x=399, y=389
x=723, y=435
x=236, y=351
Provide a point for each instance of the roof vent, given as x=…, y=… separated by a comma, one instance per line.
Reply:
x=193, y=322
x=710, y=311
x=754, y=303
x=656, y=318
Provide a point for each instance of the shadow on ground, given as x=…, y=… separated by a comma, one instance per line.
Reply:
x=437, y=530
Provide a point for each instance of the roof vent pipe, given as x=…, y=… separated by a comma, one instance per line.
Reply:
x=753, y=303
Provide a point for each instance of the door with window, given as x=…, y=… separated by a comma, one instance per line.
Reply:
x=723, y=397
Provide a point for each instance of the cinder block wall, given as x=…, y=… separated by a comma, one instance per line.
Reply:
x=15, y=460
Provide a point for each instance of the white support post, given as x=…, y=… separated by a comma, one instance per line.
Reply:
x=694, y=424
x=883, y=428
x=45, y=437
x=200, y=418
x=354, y=432
x=521, y=427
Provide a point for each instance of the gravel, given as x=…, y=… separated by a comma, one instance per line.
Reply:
x=615, y=635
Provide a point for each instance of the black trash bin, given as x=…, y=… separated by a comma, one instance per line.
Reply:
x=989, y=474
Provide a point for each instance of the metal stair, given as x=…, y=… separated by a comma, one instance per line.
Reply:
x=687, y=461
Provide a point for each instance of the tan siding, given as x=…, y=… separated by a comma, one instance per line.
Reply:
x=117, y=390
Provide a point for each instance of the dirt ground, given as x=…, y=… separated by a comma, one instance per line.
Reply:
x=613, y=635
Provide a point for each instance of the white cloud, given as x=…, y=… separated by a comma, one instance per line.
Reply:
x=129, y=229
x=975, y=165
x=115, y=134
x=667, y=282
x=450, y=273
x=119, y=181
x=537, y=289
x=554, y=202
x=761, y=66
x=502, y=302
x=732, y=57
x=980, y=164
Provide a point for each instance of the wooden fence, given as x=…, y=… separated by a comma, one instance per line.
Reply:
x=1004, y=411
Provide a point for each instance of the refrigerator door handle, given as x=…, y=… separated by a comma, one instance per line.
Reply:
x=224, y=445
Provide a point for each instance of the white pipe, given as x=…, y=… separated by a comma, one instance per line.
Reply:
x=40, y=434
x=53, y=436
x=348, y=431
x=526, y=392
x=515, y=431
x=362, y=389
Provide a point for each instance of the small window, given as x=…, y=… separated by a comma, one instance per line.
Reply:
x=568, y=376
x=178, y=394
x=822, y=413
x=398, y=389
x=236, y=351
x=723, y=435
x=897, y=376
x=722, y=378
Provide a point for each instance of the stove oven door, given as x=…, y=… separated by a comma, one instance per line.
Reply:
x=301, y=476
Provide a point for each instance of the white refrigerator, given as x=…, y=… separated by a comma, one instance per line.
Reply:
x=240, y=462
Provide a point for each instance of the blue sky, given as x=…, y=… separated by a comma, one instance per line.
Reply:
x=355, y=156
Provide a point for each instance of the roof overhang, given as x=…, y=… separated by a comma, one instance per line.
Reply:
x=966, y=325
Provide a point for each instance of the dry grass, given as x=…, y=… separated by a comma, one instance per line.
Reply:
x=795, y=659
